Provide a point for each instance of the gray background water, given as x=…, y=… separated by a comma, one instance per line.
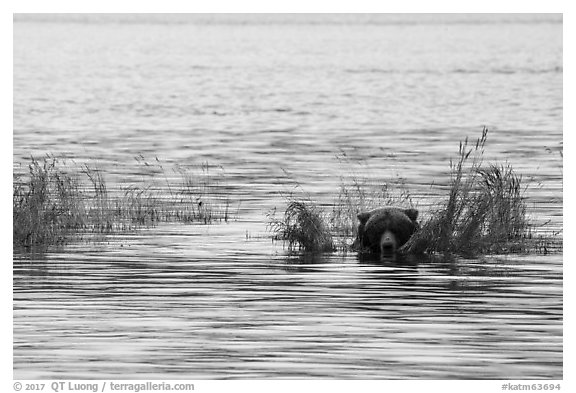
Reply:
x=259, y=94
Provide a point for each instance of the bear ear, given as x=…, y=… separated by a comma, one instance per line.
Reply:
x=412, y=214
x=363, y=217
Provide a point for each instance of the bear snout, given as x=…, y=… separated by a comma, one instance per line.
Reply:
x=388, y=243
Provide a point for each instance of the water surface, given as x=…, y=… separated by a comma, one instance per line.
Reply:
x=161, y=305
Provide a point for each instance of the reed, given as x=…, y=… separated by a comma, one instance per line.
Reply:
x=303, y=226
x=47, y=206
x=202, y=195
x=55, y=202
x=485, y=211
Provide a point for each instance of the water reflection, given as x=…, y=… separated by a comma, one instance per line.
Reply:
x=395, y=259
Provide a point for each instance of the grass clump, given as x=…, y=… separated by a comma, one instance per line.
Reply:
x=46, y=207
x=54, y=202
x=302, y=227
x=485, y=211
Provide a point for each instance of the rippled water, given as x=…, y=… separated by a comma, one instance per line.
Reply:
x=264, y=95
x=161, y=304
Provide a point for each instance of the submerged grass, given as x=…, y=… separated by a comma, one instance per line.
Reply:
x=54, y=202
x=485, y=212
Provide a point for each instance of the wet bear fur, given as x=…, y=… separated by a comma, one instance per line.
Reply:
x=383, y=231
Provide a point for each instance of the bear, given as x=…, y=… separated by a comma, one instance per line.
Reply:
x=385, y=230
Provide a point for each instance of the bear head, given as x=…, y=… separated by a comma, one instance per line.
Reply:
x=385, y=230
